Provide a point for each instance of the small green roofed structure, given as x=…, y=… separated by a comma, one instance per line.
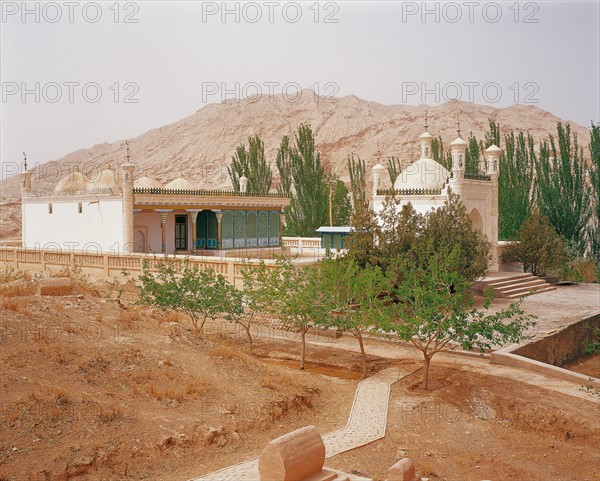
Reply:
x=332, y=237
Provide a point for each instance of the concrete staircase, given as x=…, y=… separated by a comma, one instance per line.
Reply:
x=514, y=286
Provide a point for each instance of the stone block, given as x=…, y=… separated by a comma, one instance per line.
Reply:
x=403, y=470
x=295, y=456
x=56, y=286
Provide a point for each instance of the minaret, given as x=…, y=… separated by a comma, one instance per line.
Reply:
x=128, y=169
x=425, y=140
x=25, y=177
x=243, y=184
x=25, y=189
x=378, y=174
x=492, y=155
x=458, y=147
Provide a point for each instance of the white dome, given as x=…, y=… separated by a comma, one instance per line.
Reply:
x=458, y=141
x=108, y=179
x=422, y=174
x=426, y=135
x=147, y=183
x=180, y=183
x=493, y=149
x=72, y=183
x=378, y=167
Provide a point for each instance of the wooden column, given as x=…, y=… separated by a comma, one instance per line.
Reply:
x=194, y=213
x=163, y=227
x=219, y=216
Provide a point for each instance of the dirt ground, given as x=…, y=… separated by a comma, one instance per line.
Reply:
x=92, y=390
x=588, y=365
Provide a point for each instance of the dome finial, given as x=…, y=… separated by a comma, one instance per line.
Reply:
x=127, y=154
x=426, y=125
x=458, y=123
x=25, y=160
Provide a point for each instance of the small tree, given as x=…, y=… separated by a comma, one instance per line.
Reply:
x=539, y=248
x=183, y=288
x=296, y=298
x=435, y=307
x=353, y=298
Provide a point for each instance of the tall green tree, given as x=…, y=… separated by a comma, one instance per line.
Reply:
x=439, y=154
x=594, y=176
x=303, y=178
x=563, y=194
x=516, y=183
x=251, y=163
x=472, y=155
x=358, y=184
x=342, y=207
x=394, y=167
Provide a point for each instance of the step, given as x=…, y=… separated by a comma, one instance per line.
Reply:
x=526, y=285
x=507, y=280
x=522, y=280
x=545, y=289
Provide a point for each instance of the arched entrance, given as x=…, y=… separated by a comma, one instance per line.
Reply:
x=206, y=230
x=139, y=241
x=476, y=220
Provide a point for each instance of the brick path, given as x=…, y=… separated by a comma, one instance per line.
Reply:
x=367, y=423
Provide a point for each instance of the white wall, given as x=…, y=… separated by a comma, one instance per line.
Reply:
x=98, y=227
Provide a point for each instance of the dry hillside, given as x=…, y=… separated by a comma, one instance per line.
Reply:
x=200, y=146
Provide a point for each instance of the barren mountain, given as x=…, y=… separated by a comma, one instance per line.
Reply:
x=199, y=147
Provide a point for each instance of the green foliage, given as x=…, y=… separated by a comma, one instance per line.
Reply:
x=439, y=154
x=361, y=242
x=435, y=309
x=450, y=226
x=594, y=176
x=592, y=346
x=252, y=164
x=472, y=155
x=516, y=183
x=341, y=203
x=184, y=288
x=303, y=179
x=356, y=170
x=352, y=297
x=563, y=194
x=540, y=249
x=295, y=298
x=394, y=167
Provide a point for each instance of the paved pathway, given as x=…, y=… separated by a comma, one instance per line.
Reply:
x=367, y=423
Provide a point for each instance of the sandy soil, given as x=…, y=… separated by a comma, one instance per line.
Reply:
x=95, y=391
x=589, y=365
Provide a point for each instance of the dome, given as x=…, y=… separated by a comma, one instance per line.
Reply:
x=422, y=174
x=147, y=183
x=108, y=179
x=493, y=149
x=378, y=167
x=72, y=183
x=458, y=141
x=426, y=135
x=180, y=183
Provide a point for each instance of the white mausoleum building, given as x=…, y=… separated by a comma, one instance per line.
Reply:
x=113, y=212
x=425, y=184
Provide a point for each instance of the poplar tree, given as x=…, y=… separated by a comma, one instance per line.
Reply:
x=594, y=176
x=563, y=194
x=251, y=163
x=303, y=179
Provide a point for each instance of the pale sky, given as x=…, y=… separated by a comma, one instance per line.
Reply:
x=75, y=74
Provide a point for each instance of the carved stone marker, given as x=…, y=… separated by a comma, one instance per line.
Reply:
x=403, y=470
x=296, y=456
x=56, y=286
